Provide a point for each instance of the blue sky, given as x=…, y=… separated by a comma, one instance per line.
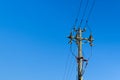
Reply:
x=33, y=43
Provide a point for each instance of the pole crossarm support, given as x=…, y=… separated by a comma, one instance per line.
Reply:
x=77, y=38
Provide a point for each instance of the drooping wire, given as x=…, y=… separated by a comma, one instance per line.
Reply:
x=89, y=28
x=83, y=71
x=84, y=12
x=78, y=13
x=89, y=14
x=72, y=51
x=71, y=72
x=66, y=67
x=91, y=53
x=73, y=54
x=87, y=62
x=66, y=76
x=91, y=9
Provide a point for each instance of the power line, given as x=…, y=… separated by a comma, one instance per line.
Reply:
x=91, y=9
x=84, y=12
x=68, y=71
x=66, y=66
x=86, y=25
x=71, y=72
x=72, y=50
x=91, y=53
x=78, y=13
x=89, y=14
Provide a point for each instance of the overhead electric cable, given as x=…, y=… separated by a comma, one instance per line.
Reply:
x=72, y=51
x=71, y=72
x=91, y=53
x=84, y=12
x=89, y=14
x=86, y=25
x=87, y=62
x=66, y=67
x=84, y=69
x=78, y=13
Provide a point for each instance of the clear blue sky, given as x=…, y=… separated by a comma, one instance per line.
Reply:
x=33, y=43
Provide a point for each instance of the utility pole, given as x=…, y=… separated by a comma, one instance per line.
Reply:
x=79, y=42
x=76, y=36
